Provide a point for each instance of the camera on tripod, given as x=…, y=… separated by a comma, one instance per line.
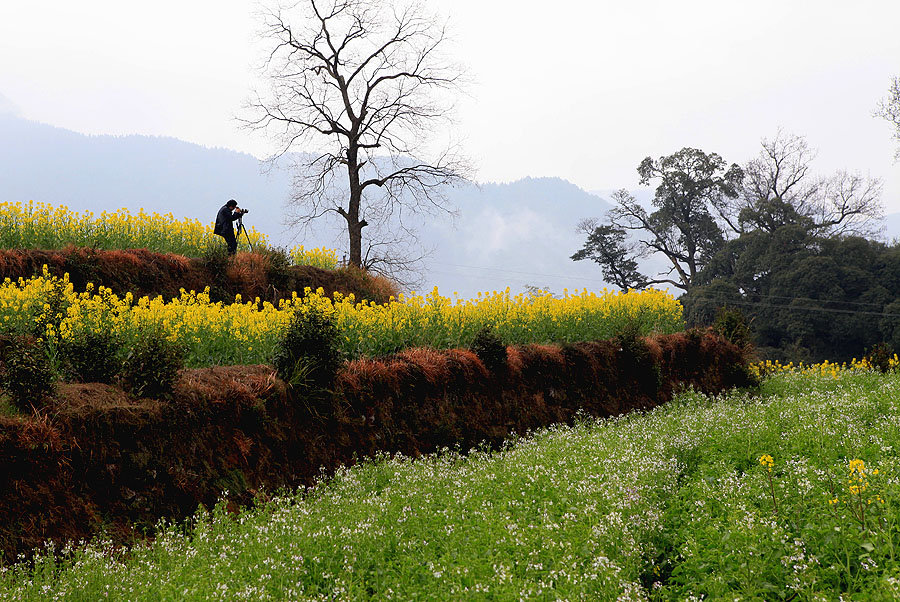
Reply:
x=240, y=225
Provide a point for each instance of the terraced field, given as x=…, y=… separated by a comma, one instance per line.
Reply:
x=790, y=494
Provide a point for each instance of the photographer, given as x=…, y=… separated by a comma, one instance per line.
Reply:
x=229, y=213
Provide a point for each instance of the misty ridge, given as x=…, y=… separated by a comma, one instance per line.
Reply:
x=515, y=234
x=519, y=234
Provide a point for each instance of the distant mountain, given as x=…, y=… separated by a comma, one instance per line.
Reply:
x=8, y=107
x=516, y=234
x=44, y=163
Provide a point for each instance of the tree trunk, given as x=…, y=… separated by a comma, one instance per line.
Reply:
x=354, y=225
x=355, y=232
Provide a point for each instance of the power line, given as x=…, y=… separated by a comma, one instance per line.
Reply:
x=761, y=296
x=762, y=305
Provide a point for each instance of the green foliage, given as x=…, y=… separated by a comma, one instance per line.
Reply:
x=490, y=349
x=216, y=257
x=92, y=356
x=308, y=353
x=732, y=326
x=606, y=246
x=27, y=375
x=278, y=267
x=880, y=357
x=809, y=298
x=151, y=367
x=703, y=302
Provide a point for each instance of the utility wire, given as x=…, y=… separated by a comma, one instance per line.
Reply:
x=762, y=305
x=761, y=296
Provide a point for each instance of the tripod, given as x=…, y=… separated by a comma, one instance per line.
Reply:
x=241, y=228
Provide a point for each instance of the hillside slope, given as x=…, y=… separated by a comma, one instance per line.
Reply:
x=519, y=233
x=145, y=273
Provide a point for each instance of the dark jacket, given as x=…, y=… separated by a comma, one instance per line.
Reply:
x=224, y=218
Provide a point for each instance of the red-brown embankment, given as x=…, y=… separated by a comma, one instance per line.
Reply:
x=97, y=459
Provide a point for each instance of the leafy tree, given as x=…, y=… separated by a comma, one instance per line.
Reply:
x=808, y=297
x=363, y=84
x=684, y=228
x=813, y=287
x=770, y=239
x=606, y=246
x=703, y=302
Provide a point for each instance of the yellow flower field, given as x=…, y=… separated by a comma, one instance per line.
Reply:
x=34, y=225
x=45, y=226
x=826, y=368
x=319, y=258
x=246, y=331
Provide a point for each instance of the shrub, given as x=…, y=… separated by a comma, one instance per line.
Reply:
x=26, y=371
x=94, y=357
x=152, y=365
x=278, y=267
x=880, y=357
x=636, y=358
x=490, y=349
x=733, y=326
x=216, y=256
x=376, y=287
x=308, y=354
x=246, y=274
x=215, y=261
x=83, y=265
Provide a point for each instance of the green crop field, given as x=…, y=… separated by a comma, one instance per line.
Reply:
x=793, y=494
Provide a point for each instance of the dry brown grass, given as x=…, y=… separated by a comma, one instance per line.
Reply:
x=83, y=464
x=248, y=273
x=374, y=286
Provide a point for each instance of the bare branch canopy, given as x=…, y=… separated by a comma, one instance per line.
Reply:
x=359, y=87
x=889, y=109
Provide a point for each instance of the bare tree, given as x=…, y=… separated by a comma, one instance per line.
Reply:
x=779, y=189
x=363, y=84
x=776, y=187
x=850, y=205
x=889, y=108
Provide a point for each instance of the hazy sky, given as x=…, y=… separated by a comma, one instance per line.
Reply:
x=582, y=90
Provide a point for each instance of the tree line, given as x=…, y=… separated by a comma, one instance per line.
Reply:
x=794, y=252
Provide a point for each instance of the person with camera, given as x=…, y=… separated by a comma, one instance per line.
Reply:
x=229, y=213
